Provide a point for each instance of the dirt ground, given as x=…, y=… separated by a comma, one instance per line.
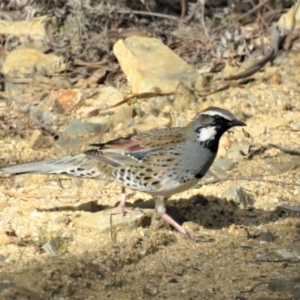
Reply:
x=256, y=249
x=256, y=252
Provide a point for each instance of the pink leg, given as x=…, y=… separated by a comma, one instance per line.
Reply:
x=122, y=205
x=182, y=231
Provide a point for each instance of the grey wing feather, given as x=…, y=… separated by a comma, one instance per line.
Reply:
x=112, y=159
x=79, y=165
x=139, y=155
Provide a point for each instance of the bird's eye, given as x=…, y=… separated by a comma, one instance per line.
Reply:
x=219, y=120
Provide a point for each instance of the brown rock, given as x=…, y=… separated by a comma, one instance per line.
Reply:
x=97, y=75
x=34, y=28
x=64, y=99
x=26, y=61
x=108, y=96
x=150, y=65
x=239, y=195
x=291, y=19
x=36, y=139
x=151, y=122
x=275, y=79
x=183, y=97
x=101, y=221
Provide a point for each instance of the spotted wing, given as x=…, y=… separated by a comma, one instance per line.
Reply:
x=132, y=148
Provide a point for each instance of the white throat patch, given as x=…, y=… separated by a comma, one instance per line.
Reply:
x=206, y=134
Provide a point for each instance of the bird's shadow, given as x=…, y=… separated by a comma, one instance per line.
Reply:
x=210, y=212
x=215, y=213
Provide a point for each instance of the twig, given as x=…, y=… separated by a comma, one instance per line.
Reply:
x=202, y=19
x=249, y=235
x=18, y=80
x=284, y=150
x=251, y=290
x=127, y=99
x=242, y=16
x=12, y=236
x=10, y=193
x=183, y=9
x=224, y=87
x=277, y=36
x=113, y=232
x=278, y=261
x=82, y=98
x=255, y=8
x=253, y=69
x=290, y=208
x=147, y=13
x=63, y=196
x=217, y=180
x=88, y=64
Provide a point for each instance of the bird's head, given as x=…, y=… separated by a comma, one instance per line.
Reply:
x=211, y=123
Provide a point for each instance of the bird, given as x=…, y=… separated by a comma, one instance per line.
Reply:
x=160, y=162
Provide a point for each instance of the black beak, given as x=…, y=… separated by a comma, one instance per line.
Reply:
x=237, y=123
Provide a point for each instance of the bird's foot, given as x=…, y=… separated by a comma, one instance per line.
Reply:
x=123, y=210
x=183, y=232
x=122, y=206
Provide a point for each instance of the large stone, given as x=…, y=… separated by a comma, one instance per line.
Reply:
x=237, y=194
x=79, y=133
x=291, y=19
x=106, y=97
x=234, y=153
x=151, y=66
x=183, y=96
x=151, y=122
x=36, y=139
x=225, y=164
x=280, y=284
x=103, y=221
x=64, y=99
x=24, y=62
x=283, y=167
x=34, y=28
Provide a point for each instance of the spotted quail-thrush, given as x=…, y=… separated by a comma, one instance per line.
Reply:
x=160, y=162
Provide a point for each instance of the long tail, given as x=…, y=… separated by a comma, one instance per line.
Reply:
x=79, y=165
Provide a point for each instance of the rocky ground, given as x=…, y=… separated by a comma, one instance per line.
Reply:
x=58, y=240
x=256, y=250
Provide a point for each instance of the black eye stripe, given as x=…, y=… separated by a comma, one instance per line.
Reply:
x=220, y=120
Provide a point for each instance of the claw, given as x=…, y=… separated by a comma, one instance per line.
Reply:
x=124, y=210
x=122, y=206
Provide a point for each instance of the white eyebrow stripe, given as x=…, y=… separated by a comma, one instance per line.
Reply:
x=214, y=113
